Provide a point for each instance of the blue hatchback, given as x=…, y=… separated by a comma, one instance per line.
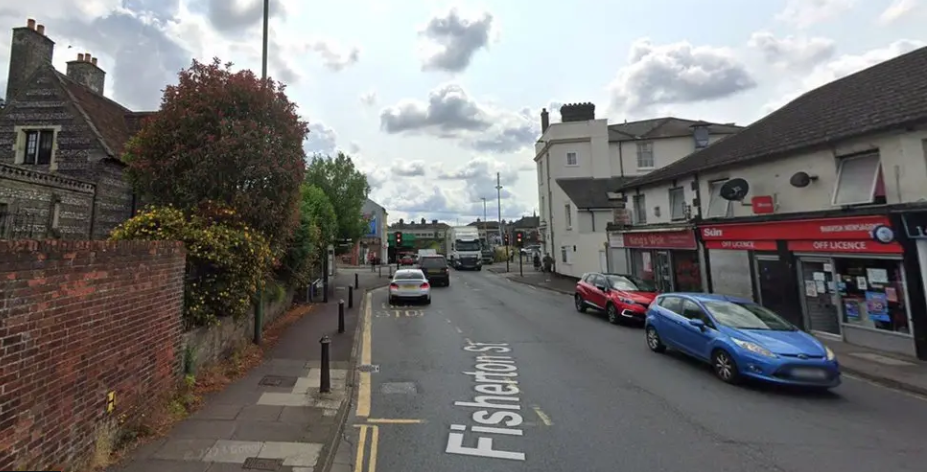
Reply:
x=739, y=338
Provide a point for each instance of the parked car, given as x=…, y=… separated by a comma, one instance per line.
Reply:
x=435, y=269
x=620, y=296
x=406, y=260
x=409, y=285
x=740, y=339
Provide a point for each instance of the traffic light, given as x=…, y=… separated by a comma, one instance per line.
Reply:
x=398, y=238
x=519, y=238
x=505, y=239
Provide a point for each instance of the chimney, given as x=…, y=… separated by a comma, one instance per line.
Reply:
x=434, y=222
x=545, y=120
x=577, y=112
x=29, y=50
x=85, y=71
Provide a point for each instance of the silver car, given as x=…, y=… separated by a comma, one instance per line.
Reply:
x=409, y=284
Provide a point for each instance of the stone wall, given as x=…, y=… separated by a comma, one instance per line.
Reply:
x=27, y=199
x=80, y=321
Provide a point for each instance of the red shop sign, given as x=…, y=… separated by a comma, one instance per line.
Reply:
x=742, y=245
x=684, y=239
x=850, y=228
x=763, y=204
x=845, y=246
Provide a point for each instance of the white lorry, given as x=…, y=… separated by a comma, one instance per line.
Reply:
x=466, y=249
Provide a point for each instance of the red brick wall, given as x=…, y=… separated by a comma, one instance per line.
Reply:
x=79, y=319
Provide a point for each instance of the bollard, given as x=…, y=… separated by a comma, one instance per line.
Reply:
x=341, y=316
x=356, y=281
x=389, y=271
x=350, y=296
x=379, y=271
x=325, y=379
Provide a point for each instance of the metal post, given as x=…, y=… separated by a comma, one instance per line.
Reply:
x=521, y=259
x=340, y=316
x=325, y=379
x=325, y=277
x=379, y=270
x=350, y=296
x=506, y=259
x=259, y=318
x=356, y=280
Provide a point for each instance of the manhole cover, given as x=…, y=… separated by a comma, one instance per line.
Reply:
x=255, y=463
x=278, y=381
x=399, y=387
x=369, y=368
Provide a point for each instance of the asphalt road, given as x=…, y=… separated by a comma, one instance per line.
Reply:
x=591, y=397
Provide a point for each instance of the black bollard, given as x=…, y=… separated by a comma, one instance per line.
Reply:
x=325, y=379
x=341, y=316
x=350, y=296
x=356, y=281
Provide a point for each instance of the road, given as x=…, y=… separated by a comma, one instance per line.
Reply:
x=590, y=397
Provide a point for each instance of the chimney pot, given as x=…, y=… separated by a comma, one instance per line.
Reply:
x=30, y=23
x=94, y=61
x=80, y=57
x=40, y=29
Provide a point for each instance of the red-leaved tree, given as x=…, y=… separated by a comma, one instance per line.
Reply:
x=224, y=136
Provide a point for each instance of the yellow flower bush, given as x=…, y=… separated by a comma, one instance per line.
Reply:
x=226, y=260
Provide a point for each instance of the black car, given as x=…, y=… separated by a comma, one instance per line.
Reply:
x=435, y=269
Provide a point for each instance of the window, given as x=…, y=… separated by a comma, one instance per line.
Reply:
x=5, y=218
x=568, y=216
x=645, y=155
x=640, y=210
x=677, y=198
x=717, y=206
x=565, y=254
x=673, y=304
x=38, y=147
x=858, y=179
x=571, y=159
x=692, y=311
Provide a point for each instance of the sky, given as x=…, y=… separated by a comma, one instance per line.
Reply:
x=434, y=99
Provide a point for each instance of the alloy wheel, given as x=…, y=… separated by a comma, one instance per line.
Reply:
x=724, y=366
x=612, y=314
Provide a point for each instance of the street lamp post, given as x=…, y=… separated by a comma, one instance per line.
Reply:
x=499, y=209
x=259, y=307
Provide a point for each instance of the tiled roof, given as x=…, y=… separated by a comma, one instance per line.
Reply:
x=113, y=123
x=526, y=222
x=669, y=127
x=887, y=96
x=588, y=192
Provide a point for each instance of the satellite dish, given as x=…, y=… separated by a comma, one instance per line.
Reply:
x=735, y=190
x=802, y=179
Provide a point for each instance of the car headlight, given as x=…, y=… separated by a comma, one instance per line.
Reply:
x=830, y=354
x=754, y=348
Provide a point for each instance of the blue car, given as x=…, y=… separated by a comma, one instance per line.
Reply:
x=740, y=339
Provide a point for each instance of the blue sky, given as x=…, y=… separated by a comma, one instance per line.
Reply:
x=505, y=60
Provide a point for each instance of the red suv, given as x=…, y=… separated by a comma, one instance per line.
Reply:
x=622, y=297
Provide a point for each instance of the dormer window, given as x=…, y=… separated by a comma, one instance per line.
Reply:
x=859, y=180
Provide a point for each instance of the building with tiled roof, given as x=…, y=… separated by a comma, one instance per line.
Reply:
x=61, y=144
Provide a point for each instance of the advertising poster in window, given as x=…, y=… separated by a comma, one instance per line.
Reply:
x=851, y=309
x=877, y=306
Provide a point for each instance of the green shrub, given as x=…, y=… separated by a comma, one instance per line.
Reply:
x=226, y=260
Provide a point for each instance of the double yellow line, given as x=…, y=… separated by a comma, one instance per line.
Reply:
x=362, y=448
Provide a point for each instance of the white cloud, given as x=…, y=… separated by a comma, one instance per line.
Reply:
x=793, y=53
x=896, y=10
x=453, y=38
x=805, y=13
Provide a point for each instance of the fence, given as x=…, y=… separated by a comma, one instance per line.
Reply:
x=20, y=224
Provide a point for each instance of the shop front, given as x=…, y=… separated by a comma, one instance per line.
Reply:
x=837, y=277
x=668, y=257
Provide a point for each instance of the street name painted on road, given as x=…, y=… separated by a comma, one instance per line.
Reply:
x=495, y=381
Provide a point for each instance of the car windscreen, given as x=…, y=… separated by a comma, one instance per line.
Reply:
x=468, y=245
x=746, y=316
x=409, y=276
x=628, y=283
x=433, y=262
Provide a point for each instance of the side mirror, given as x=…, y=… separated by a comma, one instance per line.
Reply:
x=602, y=288
x=698, y=324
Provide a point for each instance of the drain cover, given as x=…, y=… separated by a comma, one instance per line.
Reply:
x=399, y=387
x=278, y=381
x=369, y=368
x=255, y=463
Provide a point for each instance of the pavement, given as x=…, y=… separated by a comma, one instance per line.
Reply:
x=274, y=417
x=495, y=375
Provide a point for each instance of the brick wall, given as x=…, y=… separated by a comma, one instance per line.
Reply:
x=79, y=319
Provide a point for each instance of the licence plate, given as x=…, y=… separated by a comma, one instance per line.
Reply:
x=812, y=374
x=407, y=287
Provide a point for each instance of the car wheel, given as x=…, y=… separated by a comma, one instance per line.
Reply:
x=479, y=269
x=612, y=313
x=428, y=301
x=392, y=301
x=724, y=366
x=580, y=305
x=653, y=340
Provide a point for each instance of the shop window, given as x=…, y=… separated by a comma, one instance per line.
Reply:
x=642, y=264
x=686, y=271
x=640, y=210
x=677, y=198
x=873, y=294
x=717, y=206
x=859, y=180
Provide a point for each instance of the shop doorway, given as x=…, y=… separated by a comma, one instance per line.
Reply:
x=662, y=271
x=774, y=291
x=819, y=300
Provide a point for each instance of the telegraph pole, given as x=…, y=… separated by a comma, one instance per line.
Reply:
x=484, y=220
x=259, y=306
x=499, y=209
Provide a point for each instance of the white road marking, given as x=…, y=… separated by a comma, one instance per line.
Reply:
x=458, y=330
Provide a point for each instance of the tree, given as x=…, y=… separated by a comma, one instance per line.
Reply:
x=346, y=188
x=224, y=136
x=317, y=228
